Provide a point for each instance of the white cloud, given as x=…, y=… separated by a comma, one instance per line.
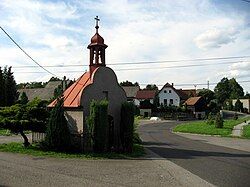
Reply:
x=59, y=32
x=215, y=38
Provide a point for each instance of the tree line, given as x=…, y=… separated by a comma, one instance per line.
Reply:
x=8, y=87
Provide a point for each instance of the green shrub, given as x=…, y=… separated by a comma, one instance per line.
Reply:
x=218, y=121
x=57, y=133
x=210, y=119
x=127, y=126
x=98, y=125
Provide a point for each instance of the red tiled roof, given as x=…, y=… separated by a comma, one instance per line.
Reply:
x=72, y=95
x=145, y=94
x=192, y=101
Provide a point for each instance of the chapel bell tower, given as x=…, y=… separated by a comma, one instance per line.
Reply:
x=97, y=50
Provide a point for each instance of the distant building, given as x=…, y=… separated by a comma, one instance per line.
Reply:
x=143, y=95
x=245, y=102
x=45, y=93
x=197, y=105
x=131, y=92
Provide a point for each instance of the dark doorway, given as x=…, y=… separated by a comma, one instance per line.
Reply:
x=145, y=114
x=111, y=133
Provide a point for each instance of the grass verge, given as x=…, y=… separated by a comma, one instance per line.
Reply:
x=201, y=127
x=246, y=131
x=5, y=132
x=35, y=150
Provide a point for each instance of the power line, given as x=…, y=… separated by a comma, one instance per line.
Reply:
x=144, y=68
x=145, y=62
x=191, y=84
x=26, y=52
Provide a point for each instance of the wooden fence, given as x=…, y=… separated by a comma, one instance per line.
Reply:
x=37, y=137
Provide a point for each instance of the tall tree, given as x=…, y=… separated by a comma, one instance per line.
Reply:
x=57, y=133
x=11, y=94
x=151, y=87
x=207, y=94
x=23, y=98
x=2, y=95
x=222, y=91
x=236, y=90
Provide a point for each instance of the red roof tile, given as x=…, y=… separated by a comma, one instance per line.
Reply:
x=72, y=95
x=192, y=101
x=145, y=94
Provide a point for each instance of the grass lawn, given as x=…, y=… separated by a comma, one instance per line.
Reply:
x=201, y=127
x=246, y=131
x=35, y=150
x=5, y=132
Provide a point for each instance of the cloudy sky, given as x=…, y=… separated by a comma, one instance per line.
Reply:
x=58, y=32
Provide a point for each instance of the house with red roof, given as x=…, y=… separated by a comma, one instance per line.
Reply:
x=169, y=96
x=99, y=83
x=197, y=105
x=143, y=95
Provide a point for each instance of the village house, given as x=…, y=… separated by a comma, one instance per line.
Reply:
x=169, y=96
x=143, y=95
x=197, y=105
x=99, y=83
x=46, y=93
x=131, y=92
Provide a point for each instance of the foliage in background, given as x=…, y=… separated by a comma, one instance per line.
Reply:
x=127, y=126
x=238, y=106
x=98, y=125
x=128, y=83
x=57, y=132
x=8, y=93
x=227, y=89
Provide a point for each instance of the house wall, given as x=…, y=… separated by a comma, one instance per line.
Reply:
x=75, y=120
x=144, y=111
x=246, y=103
x=105, y=86
x=164, y=94
x=137, y=101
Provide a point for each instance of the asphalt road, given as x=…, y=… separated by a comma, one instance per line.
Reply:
x=218, y=165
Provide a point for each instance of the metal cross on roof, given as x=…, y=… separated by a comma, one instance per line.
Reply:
x=97, y=27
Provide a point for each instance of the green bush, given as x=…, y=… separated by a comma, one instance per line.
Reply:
x=218, y=121
x=127, y=126
x=98, y=125
x=57, y=133
x=210, y=119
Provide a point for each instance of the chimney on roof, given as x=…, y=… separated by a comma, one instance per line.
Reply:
x=173, y=84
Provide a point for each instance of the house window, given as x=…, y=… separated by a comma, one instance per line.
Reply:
x=165, y=101
x=171, y=101
x=165, y=91
x=169, y=91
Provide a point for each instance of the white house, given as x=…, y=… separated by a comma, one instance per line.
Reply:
x=169, y=96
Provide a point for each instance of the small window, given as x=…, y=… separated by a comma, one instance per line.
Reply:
x=171, y=101
x=169, y=91
x=165, y=101
x=165, y=91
